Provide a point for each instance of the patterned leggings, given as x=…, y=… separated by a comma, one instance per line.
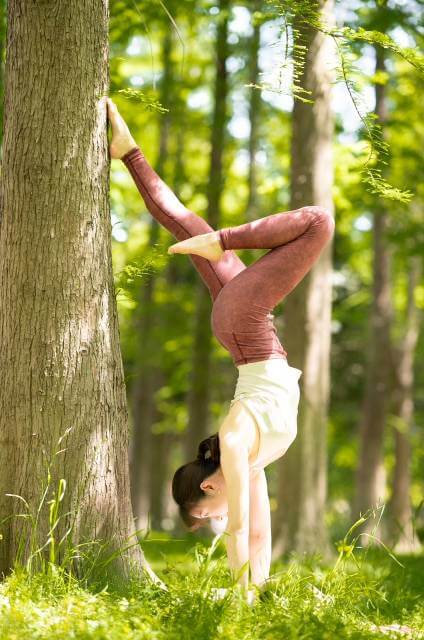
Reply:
x=243, y=297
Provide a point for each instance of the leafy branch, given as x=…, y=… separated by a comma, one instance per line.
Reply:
x=301, y=15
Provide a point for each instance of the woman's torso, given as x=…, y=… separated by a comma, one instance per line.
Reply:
x=269, y=391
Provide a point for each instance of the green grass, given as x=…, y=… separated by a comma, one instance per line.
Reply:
x=369, y=588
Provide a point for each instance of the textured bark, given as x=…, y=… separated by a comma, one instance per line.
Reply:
x=202, y=344
x=370, y=480
x=148, y=376
x=401, y=534
x=299, y=523
x=2, y=51
x=254, y=115
x=59, y=337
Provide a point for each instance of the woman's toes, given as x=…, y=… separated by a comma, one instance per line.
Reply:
x=177, y=247
x=203, y=245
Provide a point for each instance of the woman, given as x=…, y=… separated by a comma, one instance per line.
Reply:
x=228, y=478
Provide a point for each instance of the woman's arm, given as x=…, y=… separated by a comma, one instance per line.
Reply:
x=235, y=468
x=259, y=529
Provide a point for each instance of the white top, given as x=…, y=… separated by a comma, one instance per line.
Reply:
x=269, y=389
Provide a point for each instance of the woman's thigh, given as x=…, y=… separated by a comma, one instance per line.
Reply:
x=242, y=312
x=254, y=292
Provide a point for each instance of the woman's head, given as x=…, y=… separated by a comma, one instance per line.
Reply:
x=198, y=487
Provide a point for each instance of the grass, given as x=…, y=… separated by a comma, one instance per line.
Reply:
x=307, y=600
x=365, y=593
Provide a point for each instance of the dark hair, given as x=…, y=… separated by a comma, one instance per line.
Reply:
x=186, y=489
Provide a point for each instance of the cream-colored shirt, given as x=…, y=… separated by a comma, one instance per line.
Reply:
x=269, y=390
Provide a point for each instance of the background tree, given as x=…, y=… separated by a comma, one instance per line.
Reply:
x=199, y=396
x=370, y=487
x=303, y=482
x=147, y=375
x=255, y=101
x=401, y=527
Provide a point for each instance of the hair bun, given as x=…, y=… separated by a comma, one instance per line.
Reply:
x=209, y=450
x=204, y=455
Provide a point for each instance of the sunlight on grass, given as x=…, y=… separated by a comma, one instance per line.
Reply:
x=305, y=599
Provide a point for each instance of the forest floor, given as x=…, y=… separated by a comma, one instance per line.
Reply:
x=367, y=595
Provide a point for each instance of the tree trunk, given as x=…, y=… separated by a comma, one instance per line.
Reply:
x=254, y=114
x=148, y=377
x=2, y=50
x=161, y=443
x=202, y=344
x=160, y=456
x=62, y=373
x=370, y=481
x=299, y=523
x=401, y=531
x=142, y=397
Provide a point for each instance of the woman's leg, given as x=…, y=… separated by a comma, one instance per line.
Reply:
x=241, y=315
x=165, y=207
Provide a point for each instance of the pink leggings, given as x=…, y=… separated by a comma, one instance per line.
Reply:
x=243, y=297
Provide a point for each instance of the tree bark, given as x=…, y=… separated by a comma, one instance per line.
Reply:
x=401, y=534
x=62, y=373
x=202, y=344
x=299, y=523
x=2, y=50
x=370, y=479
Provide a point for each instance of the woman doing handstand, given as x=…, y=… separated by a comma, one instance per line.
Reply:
x=228, y=478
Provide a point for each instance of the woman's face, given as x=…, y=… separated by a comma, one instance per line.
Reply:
x=210, y=507
x=214, y=504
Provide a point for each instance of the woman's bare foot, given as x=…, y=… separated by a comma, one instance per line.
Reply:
x=206, y=245
x=122, y=140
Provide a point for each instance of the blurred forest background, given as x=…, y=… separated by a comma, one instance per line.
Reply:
x=207, y=91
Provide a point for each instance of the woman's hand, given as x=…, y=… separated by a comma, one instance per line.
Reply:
x=249, y=595
x=218, y=593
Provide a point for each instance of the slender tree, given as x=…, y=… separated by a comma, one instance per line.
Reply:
x=303, y=472
x=200, y=379
x=371, y=477
x=254, y=111
x=401, y=530
x=147, y=376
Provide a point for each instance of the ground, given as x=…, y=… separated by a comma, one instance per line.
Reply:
x=359, y=599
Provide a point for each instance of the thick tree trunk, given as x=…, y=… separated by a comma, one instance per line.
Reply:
x=60, y=359
x=370, y=481
x=401, y=534
x=202, y=344
x=2, y=51
x=299, y=522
